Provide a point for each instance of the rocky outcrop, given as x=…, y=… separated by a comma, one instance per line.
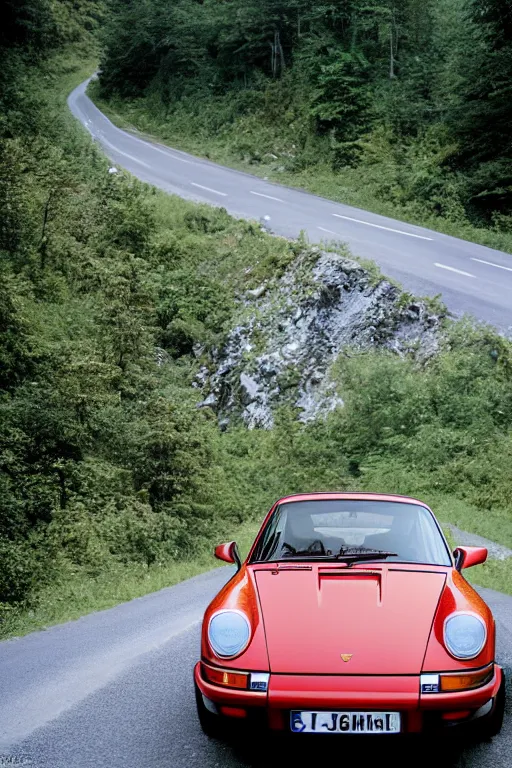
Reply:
x=292, y=331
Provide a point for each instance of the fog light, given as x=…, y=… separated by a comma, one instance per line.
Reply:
x=459, y=715
x=234, y=712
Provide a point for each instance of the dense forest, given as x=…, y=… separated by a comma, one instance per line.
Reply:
x=415, y=95
x=112, y=293
x=103, y=460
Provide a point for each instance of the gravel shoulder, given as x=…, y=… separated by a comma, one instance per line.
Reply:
x=464, y=538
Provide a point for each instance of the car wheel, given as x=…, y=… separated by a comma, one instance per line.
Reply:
x=492, y=726
x=213, y=725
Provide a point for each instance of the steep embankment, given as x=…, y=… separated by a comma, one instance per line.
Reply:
x=292, y=330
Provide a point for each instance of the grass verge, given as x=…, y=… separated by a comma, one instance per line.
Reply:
x=494, y=574
x=77, y=594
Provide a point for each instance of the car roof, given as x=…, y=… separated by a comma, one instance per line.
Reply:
x=351, y=495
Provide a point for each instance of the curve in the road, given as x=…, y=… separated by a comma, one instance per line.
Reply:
x=471, y=278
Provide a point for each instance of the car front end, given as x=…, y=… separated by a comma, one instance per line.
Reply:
x=349, y=645
x=341, y=704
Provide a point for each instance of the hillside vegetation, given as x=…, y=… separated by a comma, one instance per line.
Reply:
x=112, y=481
x=400, y=106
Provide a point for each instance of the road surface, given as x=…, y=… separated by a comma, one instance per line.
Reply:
x=114, y=690
x=471, y=278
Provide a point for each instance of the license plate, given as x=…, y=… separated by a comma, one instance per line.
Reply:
x=345, y=722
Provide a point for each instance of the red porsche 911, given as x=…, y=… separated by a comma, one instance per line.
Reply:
x=350, y=615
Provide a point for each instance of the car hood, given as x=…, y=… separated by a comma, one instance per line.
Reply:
x=379, y=620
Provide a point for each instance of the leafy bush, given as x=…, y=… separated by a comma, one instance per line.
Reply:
x=19, y=572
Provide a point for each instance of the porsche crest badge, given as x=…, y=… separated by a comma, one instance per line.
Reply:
x=346, y=656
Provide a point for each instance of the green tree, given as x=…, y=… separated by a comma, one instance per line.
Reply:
x=482, y=122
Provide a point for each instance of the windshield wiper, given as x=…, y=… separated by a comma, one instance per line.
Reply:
x=347, y=554
x=353, y=554
x=377, y=555
x=363, y=552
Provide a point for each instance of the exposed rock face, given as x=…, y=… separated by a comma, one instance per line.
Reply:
x=294, y=329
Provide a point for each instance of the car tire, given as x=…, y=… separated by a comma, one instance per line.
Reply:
x=213, y=726
x=492, y=725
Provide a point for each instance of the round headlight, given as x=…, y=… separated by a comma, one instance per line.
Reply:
x=464, y=635
x=229, y=633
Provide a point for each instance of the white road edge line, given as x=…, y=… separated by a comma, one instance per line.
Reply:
x=165, y=152
x=209, y=189
x=380, y=226
x=330, y=231
x=269, y=197
x=102, y=140
x=452, y=269
x=491, y=264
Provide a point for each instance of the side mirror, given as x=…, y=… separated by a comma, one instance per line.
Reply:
x=228, y=553
x=465, y=557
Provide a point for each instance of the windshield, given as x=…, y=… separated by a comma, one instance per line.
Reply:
x=350, y=530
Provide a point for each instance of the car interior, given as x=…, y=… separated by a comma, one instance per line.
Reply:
x=302, y=533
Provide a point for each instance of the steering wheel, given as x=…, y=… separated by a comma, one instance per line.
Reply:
x=316, y=548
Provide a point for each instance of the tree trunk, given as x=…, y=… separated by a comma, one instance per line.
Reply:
x=281, y=53
x=273, y=59
x=62, y=489
x=391, y=54
x=42, y=244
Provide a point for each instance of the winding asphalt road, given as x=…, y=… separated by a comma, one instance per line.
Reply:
x=471, y=278
x=114, y=689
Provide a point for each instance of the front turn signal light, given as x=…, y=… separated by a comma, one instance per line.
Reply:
x=225, y=678
x=450, y=683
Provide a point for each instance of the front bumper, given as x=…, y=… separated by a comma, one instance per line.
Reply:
x=420, y=713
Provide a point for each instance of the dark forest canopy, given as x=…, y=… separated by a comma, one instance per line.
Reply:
x=435, y=72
